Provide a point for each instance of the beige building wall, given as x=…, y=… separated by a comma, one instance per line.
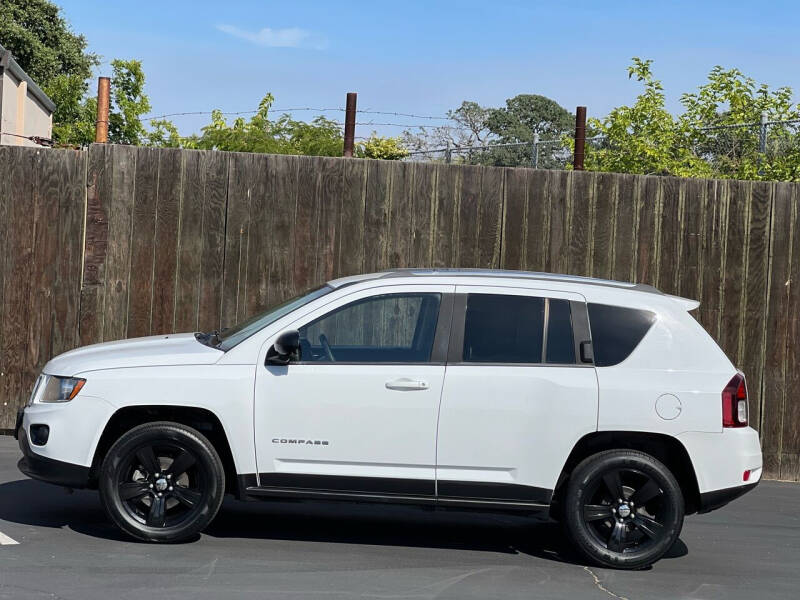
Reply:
x=21, y=113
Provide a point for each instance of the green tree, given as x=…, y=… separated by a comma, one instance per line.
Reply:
x=44, y=45
x=517, y=122
x=644, y=138
x=321, y=137
x=722, y=116
x=717, y=135
x=383, y=148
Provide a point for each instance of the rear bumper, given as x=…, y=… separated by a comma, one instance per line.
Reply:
x=724, y=462
x=47, y=469
x=718, y=498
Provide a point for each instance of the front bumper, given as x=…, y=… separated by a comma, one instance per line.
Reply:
x=47, y=469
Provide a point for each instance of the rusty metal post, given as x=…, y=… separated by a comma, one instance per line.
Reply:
x=103, y=100
x=580, y=138
x=350, y=124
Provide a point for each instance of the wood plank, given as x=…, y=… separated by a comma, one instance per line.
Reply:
x=170, y=173
x=113, y=302
x=98, y=199
x=731, y=317
x=190, y=241
x=669, y=235
x=423, y=214
x=330, y=190
x=306, y=224
x=515, y=207
x=282, y=207
x=605, y=204
x=468, y=215
x=257, y=273
x=66, y=289
x=15, y=353
x=625, y=240
x=537, y=220
x=647, y=232
x=776, y=329
x=755, y=300
x=140, y=292
x=690, y=276
x=6, y=168
x=580, y=230
x=215, y=200
x=490, y=218
x=790, y=437
x=559, y=191
x=47, y=183
x=376, y=215
x=445, y=216
x=236, y=238
x=350, y=245
x=714, y=238
x=401, y=200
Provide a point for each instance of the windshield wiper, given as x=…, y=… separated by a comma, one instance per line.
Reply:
x=209, y=339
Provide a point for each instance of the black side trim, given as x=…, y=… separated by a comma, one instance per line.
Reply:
x=718, y=498
x=48, y=469
x=493, y=492
x=351, y=485
x=309, y=494
x=452, y=494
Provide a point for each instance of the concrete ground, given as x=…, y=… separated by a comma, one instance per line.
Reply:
x=66, y=548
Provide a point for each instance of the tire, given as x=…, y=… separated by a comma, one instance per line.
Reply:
x=631, y=534
x=162, y=482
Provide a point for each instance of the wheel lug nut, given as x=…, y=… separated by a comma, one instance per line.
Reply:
x=160, y=494
x=151, y=486
x=170, y=488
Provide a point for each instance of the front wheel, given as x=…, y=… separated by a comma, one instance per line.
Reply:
x=623, y=509
x=162, y=482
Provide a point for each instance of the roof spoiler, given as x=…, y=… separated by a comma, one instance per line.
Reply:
x=687, y=303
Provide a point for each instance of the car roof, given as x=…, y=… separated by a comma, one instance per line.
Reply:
x=493, y=274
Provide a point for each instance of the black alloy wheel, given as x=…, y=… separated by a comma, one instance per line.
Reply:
x=162, y=482
x=623, y=508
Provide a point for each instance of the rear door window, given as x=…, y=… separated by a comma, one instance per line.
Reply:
x=616, y=331
x=503, y=329
x=517, y=329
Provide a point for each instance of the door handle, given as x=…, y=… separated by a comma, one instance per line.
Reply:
x=406, y=385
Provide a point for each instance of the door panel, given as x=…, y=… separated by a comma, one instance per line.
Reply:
x=505, y=430
x=352, y=425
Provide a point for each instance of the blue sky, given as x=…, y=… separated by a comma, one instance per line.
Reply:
x=426, y=57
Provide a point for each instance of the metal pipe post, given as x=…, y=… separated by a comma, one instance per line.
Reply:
x=580, y=138
x=350, y=125
x=103, y=102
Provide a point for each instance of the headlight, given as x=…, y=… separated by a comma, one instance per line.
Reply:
x=61, y=389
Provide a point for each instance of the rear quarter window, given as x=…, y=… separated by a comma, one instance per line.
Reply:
x=616, y=331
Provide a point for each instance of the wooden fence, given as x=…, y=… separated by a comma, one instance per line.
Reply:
x=122, y=241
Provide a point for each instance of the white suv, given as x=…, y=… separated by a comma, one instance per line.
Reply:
x=601, y=404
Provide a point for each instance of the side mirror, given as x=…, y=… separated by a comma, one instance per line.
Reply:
x=285, y=349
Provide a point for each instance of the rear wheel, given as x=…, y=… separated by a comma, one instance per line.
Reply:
x=623, y=509
x=162, y=482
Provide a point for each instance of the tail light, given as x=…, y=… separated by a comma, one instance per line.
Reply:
x=734, y=402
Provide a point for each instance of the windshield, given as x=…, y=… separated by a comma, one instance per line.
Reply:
x=233, y=336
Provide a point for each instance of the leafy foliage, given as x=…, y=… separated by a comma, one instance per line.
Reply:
x=383, y=148
x=716, y=136
x=321, y=137
x=522, y=117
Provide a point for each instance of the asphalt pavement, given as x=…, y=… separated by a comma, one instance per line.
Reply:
x=61, y=546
